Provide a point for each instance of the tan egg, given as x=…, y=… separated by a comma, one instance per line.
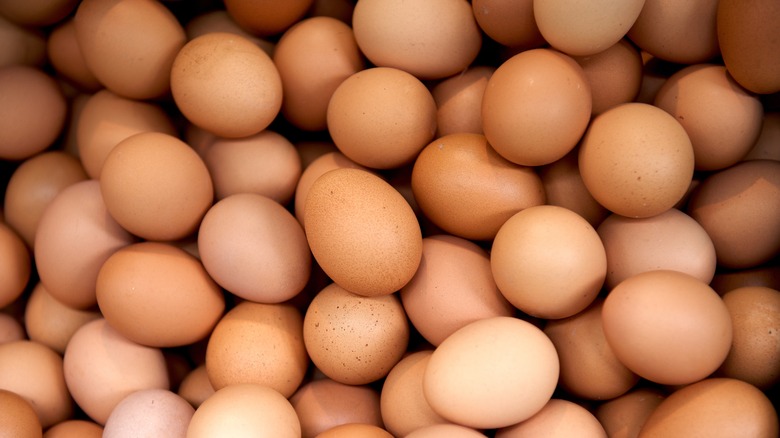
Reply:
x=548, y=262
x=107, y=119
x=196, y=387
x=716, y=408
x=253, y=247
x=34, y=185
x=431, y=40
x=767, y=146
x=636, y=160
x=748, y=40
x=74, y=429
x=585, y=28
x=355, y=430
x=226, y=84
x=589, y=367
x=318, y=167
x=18, y=417
x=220, y=21
x=35, y=372
x=75, y=236
x=16, y=263
x=739, y=208
x=459, y=99
x=20, y=44
x=671, y=240
x=465, y=187
x=755, y=353
x=659, y=308
x=314, y=57
x=266, y=17
x=452, y=287
x=11, y=329
x=558, y=418
x=37, y=13
x=156, y=186
x=681, y=32
x=624, y=416
x=245, y=410
x=403, y=404
x=129, y=45
x=345, y=209
x=536, y=107
x=355, y=339
x=102, y=367
x=323, y=404
x=510, y=23
x=32, y=112
x=563, y=186
x=259, y=344
x=64, y=54
x=150, y=412
x=265, y=163
x=492, y=373
x=445, y=431
x=51, y=322
x=381, y=117
x=614, y=75
x=722, y=119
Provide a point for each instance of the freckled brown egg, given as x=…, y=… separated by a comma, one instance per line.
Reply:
x=16, y=265
x=355, y=339
x=74, y=429
x=64, y=53
x=536, y=107
x=51, y=322
x=510, y=23
x=466, y=188
x=381, y=117
x=563, y=186
x=156, y=186
x=226, y=84
x=355, y=430
x=18, y=418
x=362, y=232
x=20, y=45
x=253, y=247
x=137, y=67
x=150, y=412
x=260, y=344
x=459, y=99
x=430, y=40
x=624, y=416
x=614, y=75
x=636, y=160
x=266, y=17
x=558, y=418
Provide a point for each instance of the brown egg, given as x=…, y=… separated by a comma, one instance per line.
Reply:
x=466, y=188
x=35, y=372
x=156, y=186
x=226, y=84
x=403, y=404
x=715, y=407
x=15, y=265
x=431, y=40
x=614, y=75
x=722, y=119
x=310, y=150
x=766, y=276
x=18, y=418
x=459, y=99
x=75, y=236
x=107, y=119
x=636, y=160
x=340, y=9
x=355, y=430
x=548, y=261
x=755, y=353
x=64, y=54
x=196, y=387
x=266, y=17
x=381, y=117
x=220, y=21
x=670, y=240
x=624, y=416
x=739, y=208
x=11, y=329
x=445, y=431
x=150, y=412
x=129, y=45
x=563, y=186
x=452, y=287
x=510, y=23
x=767, y=146
x=265, y=163
x=492, y=373
x=749, y=43
x=259, y=344
x=558, y=418
x=323, y=404
x=52, y=323
x=314, y=57
x=589, y=367
x=254, y=248
x=75, y=429
x=660, y=308
x=20, y=45
x=536, y=107
x=38, y=13
x=355, y=339
x=347, y=208
x=681, y=32
x=32, y=112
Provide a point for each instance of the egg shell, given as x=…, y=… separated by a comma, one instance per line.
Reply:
x=266, y=17
x=510, y=23
x=18, y=417
x=458, y=101
x=52, y=323
x=11, y=329
x=344, y=211
x=614, y=75
x=445, y=430
x=767, y=146
x=196, y=387
x=20, y=44
x=64, y=54
x=219, y=20
x=766, y=276
x=624, y=416
x=355, y=430
x=38, y=14
x=16, y=265
x=558, y=418
x=75, y=429
x=150, y=412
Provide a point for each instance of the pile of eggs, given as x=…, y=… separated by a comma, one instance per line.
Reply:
x=385, y=218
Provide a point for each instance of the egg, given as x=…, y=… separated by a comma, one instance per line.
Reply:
x=219, y=20
x=265, y=17
x=445, y=430
x=614, y=75
x=20, y=44
x=458, y=100
x=151, y=412
x=323, y=404
x=10, y=329
x=510, y=23
x=624, y=416
x=16, y=266
x=38, y=14
x=64, y=53
x=18, y=417
x=75, y=429
x=355, y=430
x=558, y=418
x=52, y=323
x=196, y=387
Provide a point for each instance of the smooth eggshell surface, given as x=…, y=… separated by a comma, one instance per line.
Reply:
x=18, y=417
x=558, y=418
x=151, y=412
x=323, y=404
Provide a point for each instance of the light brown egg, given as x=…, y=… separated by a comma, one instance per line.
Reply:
x=18, y=417
x=430, y=40
x=64, y=54
x=536, y=107
x=510, y=23
x=381, y=117
x=563, y=186
x=74, y=429
x=459, y=100
x=11, y=329
x=266, y=17
x=355, y=430
x=196, y=387
x=259, y=344
x=624, y=416
x=445, y=431
x=37, y=13
x=323, y=404
x=219, y=20
x=20, y=44
x=254, y=248
x=465, y=187
x=16, y=265
x=52, y=323
x=614, y=75
x=558, y=418
x=150, y=412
